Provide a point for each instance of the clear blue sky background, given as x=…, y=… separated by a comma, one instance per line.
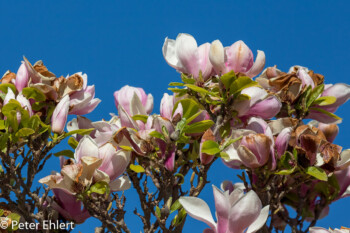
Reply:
x=119, y=42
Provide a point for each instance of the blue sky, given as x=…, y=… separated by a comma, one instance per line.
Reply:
x=118, y=43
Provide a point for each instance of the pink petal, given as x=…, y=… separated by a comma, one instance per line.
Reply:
x=258, y=65
x=244, y=212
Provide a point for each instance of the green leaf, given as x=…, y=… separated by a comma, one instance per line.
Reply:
x=1, y=212
x=326, y=113
x=80, y=132
x=67, y=153
x=229, y=142
x=33, y=93
x=34, y=122
x=285, y=172
x=73, y=142
x=325, y=100
x=12, y=105
x=158, y=212
x=210, y=147
x=187, y=80
x=142, y=118
x=182, y=178
x=228, y=78
x=24, y=132
x=3, y=140
x=189, y=106
x=197, y=89
x=193, y=117
x=156, y=134
x=224, y=155
x=176, y=84
x=314, y=94
x=179, y=217
x=178, y=90
x=127, y=148
x=241, y=83
x=175, y=206
x=317, y=172
x=1, y=170
x=199, y=127
x=181, y=124
x=2, y=125
x=4, y=87
x=137, y=168
x=100, y=188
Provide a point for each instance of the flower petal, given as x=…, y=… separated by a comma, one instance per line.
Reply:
x=258, y=65
x=222, y=206
x=86, y=147
x=244, y=212
x=260, y=221
x=198, y=209
x=120, y=184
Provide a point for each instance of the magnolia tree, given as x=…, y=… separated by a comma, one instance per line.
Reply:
x=277, y=128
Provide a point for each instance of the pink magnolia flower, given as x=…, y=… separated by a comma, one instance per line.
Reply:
x=24, y=102
x=238, y=57
x=69, y=207
x=59, y=115
x=185, y=56
x=254, y=149
x=114, y=162
x=102, y=133
x=236, y=212
x=260, y=104
x=282, y=141
x=83, y=101
x=22, y=78
x=342, y=92
x=167, y=105
x=131, y=101
x=343, y=177
x=323, y=230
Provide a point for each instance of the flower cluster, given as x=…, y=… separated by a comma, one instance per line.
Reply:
x=278, y=127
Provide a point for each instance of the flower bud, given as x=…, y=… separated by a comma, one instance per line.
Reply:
x=59, y=116
x=22, y=77
x=217, y=56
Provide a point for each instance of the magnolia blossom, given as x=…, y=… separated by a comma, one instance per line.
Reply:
x=131, y=101
x=236, y=212
x=20, y=98
x=341, y=92
x=83, y=101
x=167, y=105
x=22, y=78
x=343, y=178
x=323, y=230
x=59, y=115
x=259, y=104
x=185, y=56
x=69, y=207
x=238, y=57
x=92, y=164
x=254, y=149
x=103, y=130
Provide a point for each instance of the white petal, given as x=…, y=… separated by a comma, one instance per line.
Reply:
x=198, y=209
x=169, y=54
x=136, y=107
x=120, y=184
x=260, y=221
x=344, y=159
x=86, y=147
